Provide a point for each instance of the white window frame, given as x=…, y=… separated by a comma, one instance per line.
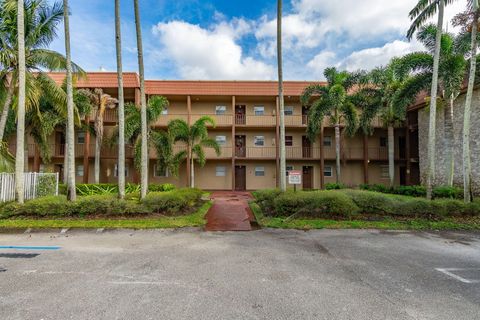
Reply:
x=258, y=139
x=328, y=171
x=260, y=171
x=115, y=170
x=80, y=134
x=327, y=141
x=220, y=110
x=221, y=140
x=288, y=110
x=164, y=111
x=259, y=110
x=384, y=172
x=220, y=171
x=79, y=169
x=157, y=175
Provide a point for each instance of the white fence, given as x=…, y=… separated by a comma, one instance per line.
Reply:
x=35, y=185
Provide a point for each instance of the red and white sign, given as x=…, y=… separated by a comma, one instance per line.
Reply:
x=295, y=177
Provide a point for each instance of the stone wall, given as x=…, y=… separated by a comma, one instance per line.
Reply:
x=441, y=172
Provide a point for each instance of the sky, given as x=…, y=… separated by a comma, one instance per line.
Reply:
x=236, y=39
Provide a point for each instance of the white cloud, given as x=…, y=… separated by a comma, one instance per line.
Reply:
x=200, y=53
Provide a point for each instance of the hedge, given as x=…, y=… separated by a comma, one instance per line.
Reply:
x=182, y=201
x=416, y=191
x=88, y=189
x=347, y=203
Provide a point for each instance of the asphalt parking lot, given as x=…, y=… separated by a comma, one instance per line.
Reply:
x=264, y=274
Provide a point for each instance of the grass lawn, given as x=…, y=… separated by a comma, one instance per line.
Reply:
x=195, y=219
x=388, y=224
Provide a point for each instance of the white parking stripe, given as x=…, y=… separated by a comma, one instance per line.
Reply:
x=449, y=272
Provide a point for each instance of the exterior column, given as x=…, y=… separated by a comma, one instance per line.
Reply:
x=365, y=159
x=189, y=121
x=322, y=160
x=86, y=153
x=277, y=140
x=137, y=96
x=233, y=143
x=407, y=154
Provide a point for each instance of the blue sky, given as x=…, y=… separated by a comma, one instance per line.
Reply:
x=222, y=39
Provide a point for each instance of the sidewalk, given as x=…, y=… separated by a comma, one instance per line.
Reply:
x=229, y=212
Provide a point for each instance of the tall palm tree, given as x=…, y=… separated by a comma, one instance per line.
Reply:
x=196, y=138
x=283, y=176
x=100, y=102
x=72, y=194
x=143, y=105
x=19, y=158
x=424, y=10
x=41, y=19
x=469, y=22
x=121, y=104
x=451, y=74
x=332, y=101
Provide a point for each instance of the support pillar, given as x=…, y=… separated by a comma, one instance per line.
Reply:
x=408, y=155
x=189, y=121
x=233, y=143
x=86, y=153
x=365, y=159
x=322, y=159
x=277, y=141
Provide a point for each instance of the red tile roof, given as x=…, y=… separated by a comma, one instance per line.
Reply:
x=100, y=79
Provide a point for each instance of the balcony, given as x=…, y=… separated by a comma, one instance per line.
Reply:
x=221, y=120
x=225, y=152
x=164, y=119
x=255, y=121
x=256, y=152
x=110, y=115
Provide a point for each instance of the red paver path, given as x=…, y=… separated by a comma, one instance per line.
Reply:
x=229, y=212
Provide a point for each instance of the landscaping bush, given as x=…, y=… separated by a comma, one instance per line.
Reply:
x=314, y=204
x=161, y=187
x=372, y=202
x=112, y=188
x=56, y=206
x=46, y=185
x=173, y=202
x=334, y=186
x=265, y=198
x=448, y=192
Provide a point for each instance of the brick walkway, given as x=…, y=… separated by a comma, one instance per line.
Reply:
x=229, y=212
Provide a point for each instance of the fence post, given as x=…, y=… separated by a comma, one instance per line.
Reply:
x=56, y=189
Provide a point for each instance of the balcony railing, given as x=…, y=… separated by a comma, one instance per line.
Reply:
x=164, y=119
x=221, y=120
x=253, y=120
x=302, y=152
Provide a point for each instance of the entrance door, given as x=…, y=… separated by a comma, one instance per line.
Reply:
x=240, y=150
x=58, y=168
x=240, y=112
x=402, y=147
x=306, y=147
x=240, y=178
x=304, y=116
x=307, y=177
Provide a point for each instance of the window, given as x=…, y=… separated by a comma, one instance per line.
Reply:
x=79, y=170
x=288, y=111
x=289, y=168
x=220, y=110
x=159, y=173
x=220, y=171
x=383, y=142
x=115, y=172
x=81, y=137
x=327, y=171
x=384, y=174
x=259, y=171
x=259, y=141
x=164, y=111
x=327, y=141
x=259, y=110
x=288, y=141
x=221, y=140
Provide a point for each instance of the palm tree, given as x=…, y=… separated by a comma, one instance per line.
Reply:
x=41, y=20
x=469, y=22
x=121, y=105
x=100, y=102
x=143, y=105
x=424, y=10
x=19, y=159
x=72, y=194
x=196, y=138
x=334, y=102
x=283, y=176
x=451, y=75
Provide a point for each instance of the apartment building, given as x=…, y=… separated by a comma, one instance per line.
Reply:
x=247, y=128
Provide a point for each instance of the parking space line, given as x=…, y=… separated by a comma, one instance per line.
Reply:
x=31, y=247
x=449, y=272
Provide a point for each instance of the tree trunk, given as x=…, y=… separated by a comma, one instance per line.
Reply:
x=433, y=103
x=19, y=159
x=6, y=108
x=97, y=159
x=71, y=193
x=121, y=106
x=65, y=159
x=450, y=142
x=192, y=173
x=143, y=106
x=283, y=164
x=467, y=194
x=337, y=152
x=391, y=155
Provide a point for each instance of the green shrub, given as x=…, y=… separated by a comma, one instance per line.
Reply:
x=374, y=187
x=56, y=206
x=448, y=192
x=334, y=186
x=314, y=204
x=46, y=185
x=413, y=191
x=161, y=187
x=62, y=188
x=173, y=202
x=372, y=202
x=96, y=189
x=265, y=198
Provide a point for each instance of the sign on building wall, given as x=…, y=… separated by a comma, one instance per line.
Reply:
x=295, y=177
